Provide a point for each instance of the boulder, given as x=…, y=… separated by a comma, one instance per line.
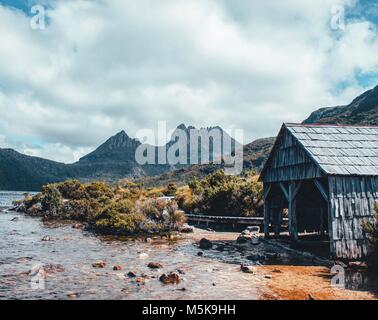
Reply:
x=172, y=278
x=155, y=265
x=205, y=244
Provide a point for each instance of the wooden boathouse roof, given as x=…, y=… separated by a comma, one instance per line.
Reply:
x=335, y=149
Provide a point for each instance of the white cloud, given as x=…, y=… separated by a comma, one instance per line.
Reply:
x=104, y=66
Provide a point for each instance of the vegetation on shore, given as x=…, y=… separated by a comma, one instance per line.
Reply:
x=126, y=209
x=223, y=195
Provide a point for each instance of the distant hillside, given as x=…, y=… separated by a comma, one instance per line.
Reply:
x=362, y=110
x=25, y=173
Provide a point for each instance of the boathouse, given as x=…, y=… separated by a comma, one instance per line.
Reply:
x=325, y=178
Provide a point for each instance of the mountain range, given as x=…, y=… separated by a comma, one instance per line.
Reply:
x=115, y=158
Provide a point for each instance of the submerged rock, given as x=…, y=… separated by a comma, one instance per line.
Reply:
x=99, y=265
x=205, y=244
x=155, y=265
x=117, y=268
x=172, y=278
x=15, y=219
x=79, y=226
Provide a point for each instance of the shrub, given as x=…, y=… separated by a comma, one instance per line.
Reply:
x=170, y=190
x=221, y=194
x=119, y=218
x=51, y=200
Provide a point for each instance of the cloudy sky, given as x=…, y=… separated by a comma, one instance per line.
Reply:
x=102, y=66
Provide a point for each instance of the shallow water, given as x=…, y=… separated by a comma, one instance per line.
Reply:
x=22, y=250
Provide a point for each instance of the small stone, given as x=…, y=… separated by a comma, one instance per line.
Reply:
x=248, y=269
x=72, y=295
x=276, y=271
x=117, y=268
x=268, y=276
x=131, y=274
x=310, y=297
x=172, y=278
x=148, y=240
x=181, y=289
x=78, y=226
x=46, y=238
x=186, y=229
x=200, y=254
x=99, y=265
x=180, y=271
x=155, y=265
x=15, y=219
x=242, y=239
x=205, y=244
x=140, y=280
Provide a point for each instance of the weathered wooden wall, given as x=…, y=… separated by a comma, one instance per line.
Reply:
x=290, y=162
x=351, y=200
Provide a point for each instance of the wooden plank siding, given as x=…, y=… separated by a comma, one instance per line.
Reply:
x=352, y=201
x=290, y=162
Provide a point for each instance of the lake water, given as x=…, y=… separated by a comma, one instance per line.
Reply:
x=72, y=252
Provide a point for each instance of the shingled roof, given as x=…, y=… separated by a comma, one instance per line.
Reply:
x=340, y=150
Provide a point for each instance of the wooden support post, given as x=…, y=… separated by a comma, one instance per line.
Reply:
x=266, y=210
x=321, y=222
x=277, y=222
x=293, y=227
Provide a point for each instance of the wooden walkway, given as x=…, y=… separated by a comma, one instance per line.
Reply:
x=232, y=221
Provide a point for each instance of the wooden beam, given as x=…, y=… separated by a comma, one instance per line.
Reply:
x=266, y=211
x=320, y=187
x=277, y=221
x=296, y=190
x=267, y=188
x=285, y=191
x=293, y=227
